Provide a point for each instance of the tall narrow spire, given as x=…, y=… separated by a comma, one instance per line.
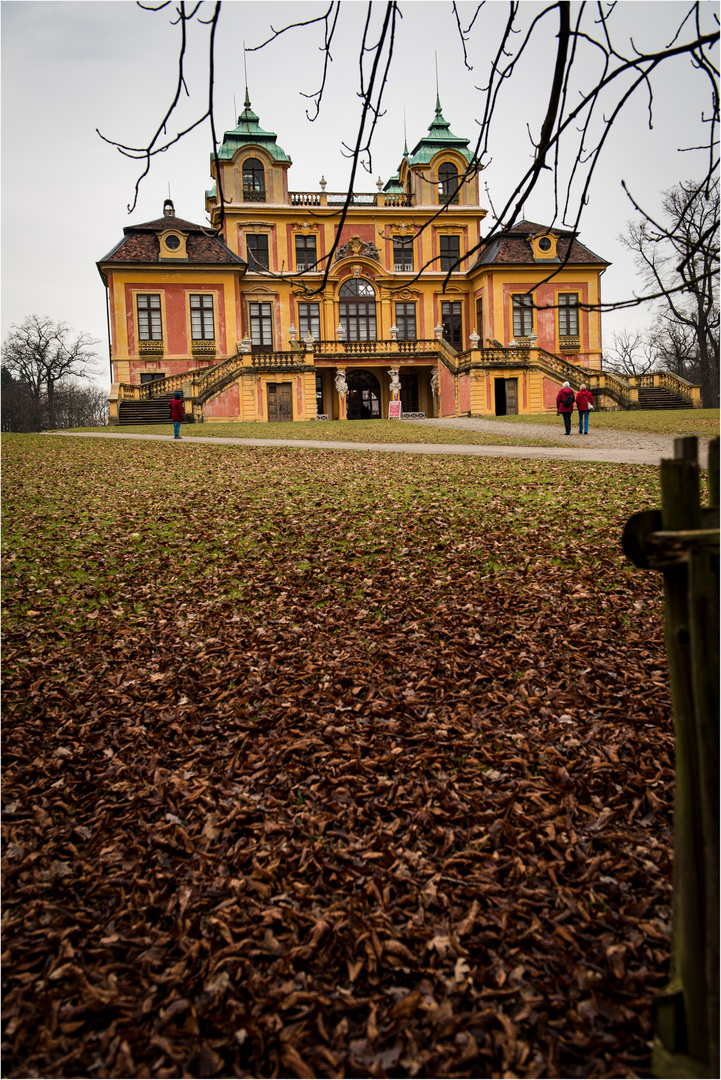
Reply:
x=246, y=103
x=405, y=135
x=438, y=93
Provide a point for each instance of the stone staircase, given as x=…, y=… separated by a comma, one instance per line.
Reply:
x=659, y=397
x=150, y=411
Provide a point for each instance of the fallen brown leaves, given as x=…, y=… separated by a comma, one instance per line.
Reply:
x=310, y=769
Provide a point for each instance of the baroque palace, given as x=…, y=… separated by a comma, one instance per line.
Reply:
x=236, y=316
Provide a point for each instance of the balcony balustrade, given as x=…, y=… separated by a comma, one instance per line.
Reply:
x=338, y=198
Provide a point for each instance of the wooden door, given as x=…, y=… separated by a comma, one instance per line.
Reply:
x=511, y=397
x=280, y=402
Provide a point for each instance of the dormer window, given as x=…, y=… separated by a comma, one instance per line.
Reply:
x=253, y=180
x=544, y=247
x=173, y=245
x=448, y=183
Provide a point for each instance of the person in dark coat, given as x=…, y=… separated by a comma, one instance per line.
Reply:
x=176, y=413
x=584, y=404
x=564, y=405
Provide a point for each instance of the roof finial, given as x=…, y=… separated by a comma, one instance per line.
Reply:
x=245, y=70
x=438, y=97
x=405, y=135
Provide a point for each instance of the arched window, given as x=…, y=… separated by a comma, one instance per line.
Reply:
x=253, y=180
x=358, y=310
x=448, y=183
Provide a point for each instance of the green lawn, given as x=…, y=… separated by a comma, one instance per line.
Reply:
x=327, y=764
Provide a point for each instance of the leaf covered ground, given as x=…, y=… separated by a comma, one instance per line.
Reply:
x=329, y=765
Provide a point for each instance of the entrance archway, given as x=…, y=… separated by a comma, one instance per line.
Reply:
x=363, y=401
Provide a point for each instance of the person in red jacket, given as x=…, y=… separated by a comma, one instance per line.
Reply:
x=584, y=404
x=564, y=405
x=176, y=413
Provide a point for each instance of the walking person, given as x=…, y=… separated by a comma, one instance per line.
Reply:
x=176, y=413
x=564, y=405
x=584, y=404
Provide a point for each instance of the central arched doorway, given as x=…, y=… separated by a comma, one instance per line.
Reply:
x=363, y=401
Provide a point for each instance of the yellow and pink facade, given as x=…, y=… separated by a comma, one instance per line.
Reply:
x=296, y=305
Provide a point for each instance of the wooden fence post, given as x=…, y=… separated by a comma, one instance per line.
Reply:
x=682, y=540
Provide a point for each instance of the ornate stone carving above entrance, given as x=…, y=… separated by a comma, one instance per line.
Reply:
x=356, y=246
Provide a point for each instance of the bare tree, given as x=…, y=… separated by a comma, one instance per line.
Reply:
x=21, y=411
x=78, y=405
x=632, y=353
x=596, y=76
x=40, y=352
x=678, y=258
x=676, y=348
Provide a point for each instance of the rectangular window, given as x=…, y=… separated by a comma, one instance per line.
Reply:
x=450, y=252
x=202, y=325
x=522, y=316
x=406, y=322
x=479, y=320
x=452, y=325
x=150, y=323
x=305, y=256
x=319, y=395
x=568, y=314
x=402, y=253
x=151, y=376
x=257, y=249
x=308, y=321
x=261, y=327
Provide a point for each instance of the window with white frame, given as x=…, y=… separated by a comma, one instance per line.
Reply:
x=202, y=322
x=150, y=321
x=406, y=321
x=522, y=316
x=261, y=327
x=257, y=251
x=305, y=253
x=450, y=248
x=568, y=314
x=309, y=321
x=402, y=253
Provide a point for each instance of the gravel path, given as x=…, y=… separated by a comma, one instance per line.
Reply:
x=621, y=448
x=600, y=439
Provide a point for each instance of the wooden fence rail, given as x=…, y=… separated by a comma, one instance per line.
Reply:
x=682, y=540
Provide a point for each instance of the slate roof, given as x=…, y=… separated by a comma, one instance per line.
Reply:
x=512, y=247
x=140, y=244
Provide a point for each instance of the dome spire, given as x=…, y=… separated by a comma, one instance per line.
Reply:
x=438, y=95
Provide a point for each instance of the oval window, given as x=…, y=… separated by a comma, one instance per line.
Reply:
x=172, y=242
x=544, y=244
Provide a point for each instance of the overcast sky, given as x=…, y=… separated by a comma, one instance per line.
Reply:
x=69, y=68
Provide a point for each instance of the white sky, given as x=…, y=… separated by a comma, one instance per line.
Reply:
x=69, y=68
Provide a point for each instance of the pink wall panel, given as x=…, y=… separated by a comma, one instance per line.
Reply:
x=464, y=393
x=550, y=389
x=225, y=404
x=448, y=392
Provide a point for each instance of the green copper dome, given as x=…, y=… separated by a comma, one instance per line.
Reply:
x=249, y=132
x=439, y=137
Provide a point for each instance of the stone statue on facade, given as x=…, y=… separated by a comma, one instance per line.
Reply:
x=395, y=383
x=340, y=383
x=435, y=386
